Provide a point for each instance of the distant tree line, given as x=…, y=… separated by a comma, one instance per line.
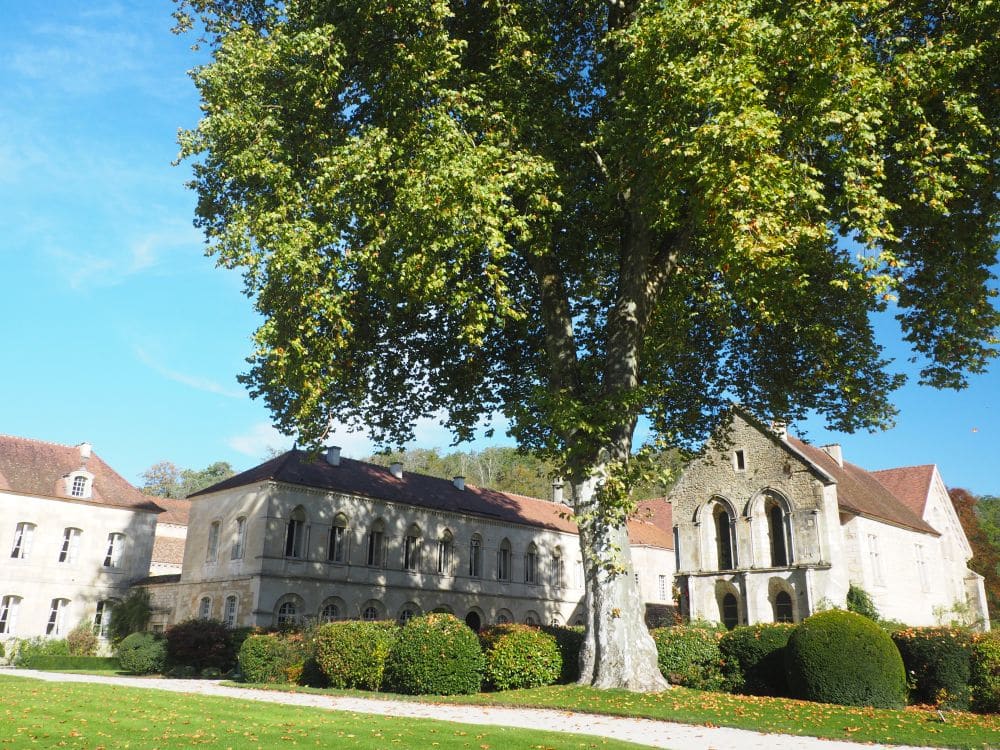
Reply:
x=980, y=517
x=165, y=479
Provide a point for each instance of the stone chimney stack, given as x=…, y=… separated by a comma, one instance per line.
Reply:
x=835, y=452
x=459, y=482
x=557, y=491
x=333, y=455
x=85, y=451
x=396, y=469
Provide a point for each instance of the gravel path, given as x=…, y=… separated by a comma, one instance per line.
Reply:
x=641, y=731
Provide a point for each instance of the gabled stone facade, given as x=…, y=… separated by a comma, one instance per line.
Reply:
x=769, y=528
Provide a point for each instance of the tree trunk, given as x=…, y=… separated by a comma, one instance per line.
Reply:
x=618, y=651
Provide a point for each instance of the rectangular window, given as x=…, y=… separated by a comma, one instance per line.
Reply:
x=444, y=557
x=558, y=572
x=79, y=486
x=662, y=588
x=70, y=549
x=24, y=533
x=239, y=542
x=476, y=558
x=229, y=618
x=740, y=460
x=213, y=542
x=102, y=618
x=503, y=564
x=205, y=608
x=294, y=538
x=410, y=553
x=531, y=567
x=116, y=548
x=8, y=615
x=57, y=617
x=876, y=558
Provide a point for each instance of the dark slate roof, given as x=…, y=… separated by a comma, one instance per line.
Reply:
x=911, y=484
x=34, y=467
x=860, y=492
x=419, y=490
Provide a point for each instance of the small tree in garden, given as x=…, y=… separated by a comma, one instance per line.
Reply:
x=131, y=615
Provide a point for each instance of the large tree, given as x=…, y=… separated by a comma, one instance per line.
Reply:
x=583, y=213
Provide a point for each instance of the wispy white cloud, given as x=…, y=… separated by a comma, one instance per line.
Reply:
x=261, y=439
x=192, y=381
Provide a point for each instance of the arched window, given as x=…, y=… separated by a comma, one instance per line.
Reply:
x=407, y=612
x=24, y=534
x=116, y=550
x=70, y=549
x=783, y=607
x=531, y=618
x=230, y=610
x=723, y=537
x=474, y=620
x=411, y=548
x=531, y=564
x=503, y=617
x=336, y=549
x=444, y=553
x=57, y=617
x=239, y=539
x=558, y=568
x=503, y=561
x=372, y=610
x=79, y=487
x=730, y=611
x=333, y=608
x=205, y=608
x=295, y=533
x=213, y=542
x=8, y=614
x=288, y=610
x=476, y=556
x=375, y=548
x=777, y=532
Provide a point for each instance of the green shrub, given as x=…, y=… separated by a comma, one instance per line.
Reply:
x=519, y=656
x=131, y=615
x=199, y=644
x=843, y=657
x=689, y=655
x=569, y=641
x=142, y=653
x=82, y=641
x=268, y=658
x=754, y=658
x=62, y=663
x=984, y=677
x=3, y=651
x=860, y=602
x=937, y=661
x=26, y=649
x=353, y=653
x=435, y=654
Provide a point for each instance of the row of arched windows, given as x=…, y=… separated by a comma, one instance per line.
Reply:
x=721, y=551
x=729, y=609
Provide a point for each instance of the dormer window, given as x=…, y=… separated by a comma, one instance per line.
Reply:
x=80, y=484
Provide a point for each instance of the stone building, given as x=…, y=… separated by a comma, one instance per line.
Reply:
x=74, y=535
x=769, y=528
x=328, y=538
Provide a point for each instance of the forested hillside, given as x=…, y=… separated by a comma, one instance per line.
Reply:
x=980, y=517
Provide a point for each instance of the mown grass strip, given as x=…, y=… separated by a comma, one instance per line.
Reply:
x=36, y=714
x=911, y=726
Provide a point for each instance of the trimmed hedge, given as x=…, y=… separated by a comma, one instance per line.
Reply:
x=435, y=654
x=200, y=644
x=353, y=653
x=845, y=658
x=267, y=658
x=28, y=648
x=754, y=658
x=689, y=655
x=519, y=656
x=938, y=662
x=59, y=663
x=569, y=641
x=142, y=653
x=984, y=677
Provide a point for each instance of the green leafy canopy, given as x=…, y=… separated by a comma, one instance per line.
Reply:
x=580, y=213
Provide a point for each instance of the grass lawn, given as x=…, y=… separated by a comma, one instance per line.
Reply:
x=911, y=726
x=45, y=714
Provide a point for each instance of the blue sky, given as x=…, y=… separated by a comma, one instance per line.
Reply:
x=117, y=329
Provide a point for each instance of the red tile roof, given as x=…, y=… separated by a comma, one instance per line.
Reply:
x=859, y=492
x=34, y=467
x=168, y=550
x=419, y=490
x=175, y=510
x=911, y=484
x=653, y=523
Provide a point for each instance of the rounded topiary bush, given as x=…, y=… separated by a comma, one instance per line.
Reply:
x=569, y=641
x=842, y=657
x=200, y=644
x=689, y=655
x=938, y=662
x=267, y=658
x=353, y=653
x=754, y=658
x=142, y=653
x=984, y=673
x=519, y=656
x=435, y=654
